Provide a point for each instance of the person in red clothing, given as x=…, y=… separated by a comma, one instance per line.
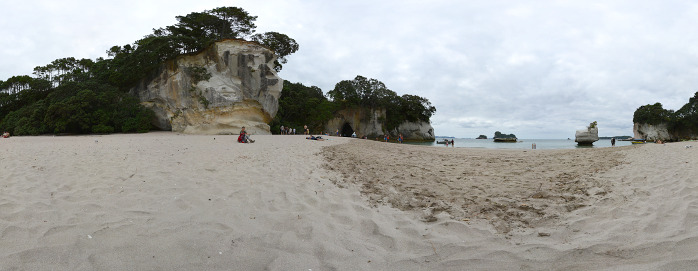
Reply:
x=244, y=137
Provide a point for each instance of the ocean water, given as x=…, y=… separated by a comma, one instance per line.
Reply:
x=522, y=144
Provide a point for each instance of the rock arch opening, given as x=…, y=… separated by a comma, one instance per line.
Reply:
x=346, y=130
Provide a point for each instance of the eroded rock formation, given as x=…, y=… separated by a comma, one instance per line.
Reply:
x=369, y=122
x=652, y=132
x=587, y=136
x=661, y=131
x=243, y=90
x=416, y=131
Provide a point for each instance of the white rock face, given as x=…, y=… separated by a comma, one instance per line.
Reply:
x=243, y=90
x=416, y=130
x=587, y=136
x=652, y=132
x=368, y=123
x=363, y=122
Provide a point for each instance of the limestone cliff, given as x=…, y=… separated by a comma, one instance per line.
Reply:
x=652, y=132
x=369, y=122
x=229, y=85
x=363, y=122
x=416, y=131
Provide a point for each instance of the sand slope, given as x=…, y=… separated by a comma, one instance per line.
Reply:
x=631, y=208
x=163, y=201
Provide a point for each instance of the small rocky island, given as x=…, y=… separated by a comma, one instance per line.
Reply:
x=481, y=137
x=587, y=137
x=499, y=137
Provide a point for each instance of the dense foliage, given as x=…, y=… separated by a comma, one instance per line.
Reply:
x=300, y=105
x=652, y=114
x=84, y=96
x=65, y=97
x=682, y=121
x=371, y=93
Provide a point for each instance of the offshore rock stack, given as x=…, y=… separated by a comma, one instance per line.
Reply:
x=587, y=137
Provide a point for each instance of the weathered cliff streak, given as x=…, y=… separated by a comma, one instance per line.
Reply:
x=652, y=132
x=243, y=90
x=416, y=130
x=364, y=122
x=369, y=122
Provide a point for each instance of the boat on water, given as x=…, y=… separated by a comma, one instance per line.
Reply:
x=445, y=141
x=505, y=139
x=638, y=141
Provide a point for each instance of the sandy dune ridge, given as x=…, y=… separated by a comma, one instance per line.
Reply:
x=165, y=201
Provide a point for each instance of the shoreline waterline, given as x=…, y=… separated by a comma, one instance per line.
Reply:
x=521, y=144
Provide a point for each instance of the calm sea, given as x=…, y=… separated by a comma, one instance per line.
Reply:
x=522, y=144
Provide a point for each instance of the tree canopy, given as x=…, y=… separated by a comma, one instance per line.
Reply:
x=371, y=93
x=301, y=105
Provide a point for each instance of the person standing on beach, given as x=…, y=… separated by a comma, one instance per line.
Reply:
x=613, y=142
x=453, y=143
x=399, y=138
x=305, y=130
x=282, y=129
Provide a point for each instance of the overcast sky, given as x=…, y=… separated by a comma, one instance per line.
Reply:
x=538, y=69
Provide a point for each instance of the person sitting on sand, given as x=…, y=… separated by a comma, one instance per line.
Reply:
x=244, y=137
x=315, y=138
x=5, y=134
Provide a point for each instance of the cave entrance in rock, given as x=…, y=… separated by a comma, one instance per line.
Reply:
x=346, y=130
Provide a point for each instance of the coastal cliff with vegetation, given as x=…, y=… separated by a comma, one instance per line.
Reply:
x=653, y=122
x=197, y=76
x=230, y=85
x=363, y=106
x=207, y=74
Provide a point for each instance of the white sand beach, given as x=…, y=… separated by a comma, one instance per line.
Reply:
x=166, y=201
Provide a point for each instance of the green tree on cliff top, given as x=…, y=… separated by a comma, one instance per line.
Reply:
x=371, y=93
